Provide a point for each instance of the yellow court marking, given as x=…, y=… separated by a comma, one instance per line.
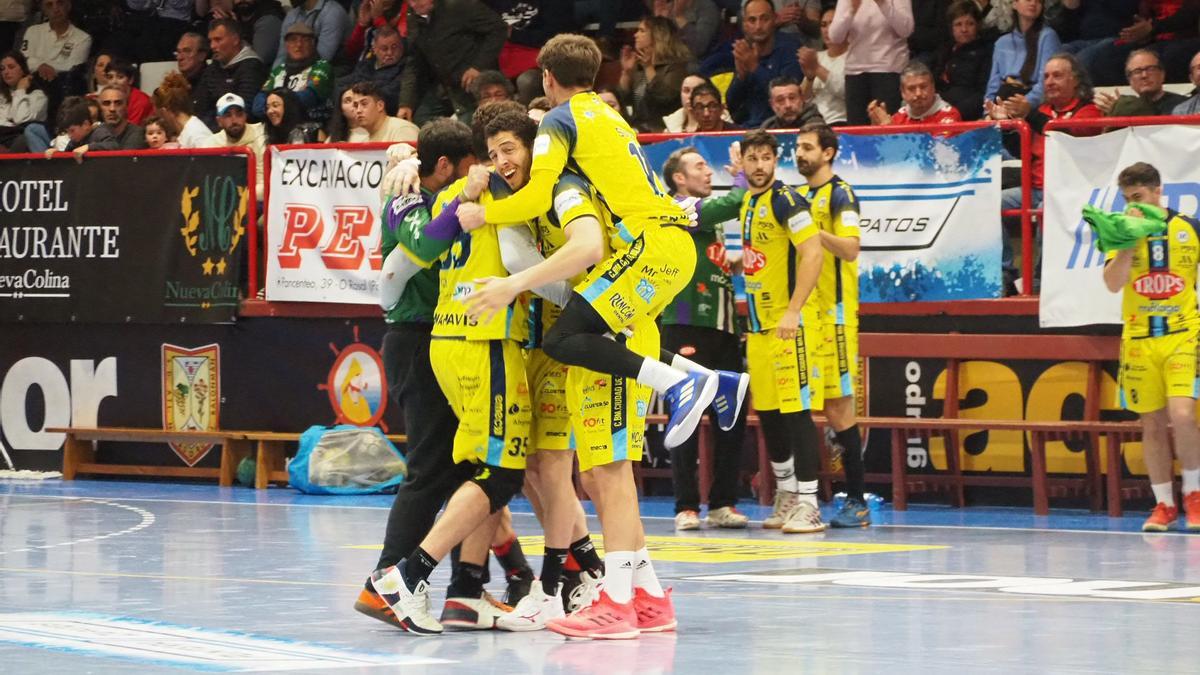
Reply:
x=714, y=550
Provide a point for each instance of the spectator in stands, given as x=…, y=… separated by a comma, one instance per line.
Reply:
x=326, y=17
x=161, y=134
x=238, y=131
x=1089, y=25
x=610, y=99
x=530, y=24
x=876, y=31
x=1166, y=27
x=997, y=17
x=191, y=56
x=450, y=42
x=708, y=109
x=374, y=124
x=341, y=122
x=261, y=24
x=13, y=15
x=57, y=46
x=825, y=74
x=682, y=120
x=1020, y=55
x=84, y=134
x=371, y=16
x=20, y=102
x=124, y=75
x=149, y=29
x=1145, y=73
x=309, y=77
x=538, y=108
x=382, y=67
x=1191, y=105
x=800, y=18
x=697, y=21
x=285, y=121
x=761, y=54
x=235, y=68
x=114, y=101
x=791, y=109
x=490, y=86
x=97, y=75
x=173, y=99
x=929, y=30
x=963, y=66
x=652, y=70
x=36, y=135
x=922, y=104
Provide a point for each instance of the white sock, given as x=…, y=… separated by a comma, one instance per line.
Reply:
x=785, y=475
x=808, y=491
x=618, y=575
x=1191, y=481
x=689, y=366
x=1164, y=493
x=659, y=376
x=644, y=576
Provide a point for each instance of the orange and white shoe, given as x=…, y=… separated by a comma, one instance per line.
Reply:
x=370, y=603
x=654, y=615
x=1191, y=506
x=604, y=619
x=1161, y=518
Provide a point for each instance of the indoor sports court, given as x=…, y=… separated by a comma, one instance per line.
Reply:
x=110, y=576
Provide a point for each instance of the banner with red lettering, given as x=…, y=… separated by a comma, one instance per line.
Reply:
x=323, y=225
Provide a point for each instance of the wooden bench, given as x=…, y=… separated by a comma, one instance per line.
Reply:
x=271, y=458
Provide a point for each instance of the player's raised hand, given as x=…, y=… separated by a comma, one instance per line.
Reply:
x=402, y=179
x=477, y=179
x=789, y=323
x=491, y=295
x=470, y=216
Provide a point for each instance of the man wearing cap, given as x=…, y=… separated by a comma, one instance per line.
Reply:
x=326, y=17
x=235, y=68
x=310, y=78
x=236, y=130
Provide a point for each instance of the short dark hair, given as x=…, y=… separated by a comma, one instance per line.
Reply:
x=963, y=8
x=388, y=30
x=123, y=66
x=540, y=103
x=705, y=89
x=73, y=114
x=517, y=123
x=826, y=137
x=228, y=24
x=760, y=139
x=488, y=78
x=1139, y=174
x=781, y=81
x=573, y=60
x=442, y=137
x=367, y=88
x=673, y=165
x=486, y=113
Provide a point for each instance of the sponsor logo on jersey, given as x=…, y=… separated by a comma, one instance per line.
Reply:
x=753, y=260
x=1159, y=284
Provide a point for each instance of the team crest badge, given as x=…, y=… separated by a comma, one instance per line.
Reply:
x=191, y=395
x=356, y=385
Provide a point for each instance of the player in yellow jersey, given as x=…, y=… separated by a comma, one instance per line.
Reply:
x=1158, y=345
x=783, y=332
x=630, y=287
x=834, y=208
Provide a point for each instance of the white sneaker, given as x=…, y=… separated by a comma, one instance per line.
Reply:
x=473, y=613
x=806, y=519
x=412, y=608
x=687, y=520
x=533, y=611
x=585, y=593
x=785, y=503
x=725, y=517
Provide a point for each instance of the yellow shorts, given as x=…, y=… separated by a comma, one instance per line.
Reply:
x=608, y=414
x=641, y=280
x=785, y=375
x=484, y=382
x=839, y=360
x=1157, y=368
x=548, y=391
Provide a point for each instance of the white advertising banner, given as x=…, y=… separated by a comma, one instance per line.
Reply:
x=323, y=225
x=1084, y=171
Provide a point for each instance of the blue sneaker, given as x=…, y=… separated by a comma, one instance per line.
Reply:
x=852, y=514
x=731, y=393
x=687, y=401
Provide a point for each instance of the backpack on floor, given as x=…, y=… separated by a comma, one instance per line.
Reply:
x=346, y=460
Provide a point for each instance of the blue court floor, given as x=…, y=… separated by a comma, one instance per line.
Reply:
x=122, y=577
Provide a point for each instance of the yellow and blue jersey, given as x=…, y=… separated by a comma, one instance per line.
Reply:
x=772, y=223
x=1160, y=296
x=835, y=210
x=593, y=140
x=474, y=255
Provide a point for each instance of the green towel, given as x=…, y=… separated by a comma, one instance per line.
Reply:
x=1118, y=231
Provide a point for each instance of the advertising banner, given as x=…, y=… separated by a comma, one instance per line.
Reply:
x=122, y=239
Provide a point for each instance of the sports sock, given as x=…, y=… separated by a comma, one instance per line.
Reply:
x=618, y=575
x=1164, y=493
x=584, y=553
x=808, y=491
x=466, y=582
x=785, y=475
x=512, y=559
x=683, y=363
x=1191, y=480
x=418, y=567
x=644, y=576
x=852, y=460
x=552, y=566
x=659, y=376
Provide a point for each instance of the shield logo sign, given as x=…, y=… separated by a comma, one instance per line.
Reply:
x=191, y=395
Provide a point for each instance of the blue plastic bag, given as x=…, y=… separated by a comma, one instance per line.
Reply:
x=346, y=460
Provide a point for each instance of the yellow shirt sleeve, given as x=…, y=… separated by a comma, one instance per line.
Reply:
x=551, y=149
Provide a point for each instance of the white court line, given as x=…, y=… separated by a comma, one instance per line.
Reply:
x=147, y=521
x=521, y=513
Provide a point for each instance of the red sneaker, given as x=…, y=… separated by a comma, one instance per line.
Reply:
x=1161, y=518
x=1191, y=506
x=654, y=615
x=374, y=606
x=602, y=620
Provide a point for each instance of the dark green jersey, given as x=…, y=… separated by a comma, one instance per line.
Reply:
x=404, y=217
x=707, y=300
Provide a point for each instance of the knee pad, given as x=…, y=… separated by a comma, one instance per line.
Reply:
x=499, y=484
